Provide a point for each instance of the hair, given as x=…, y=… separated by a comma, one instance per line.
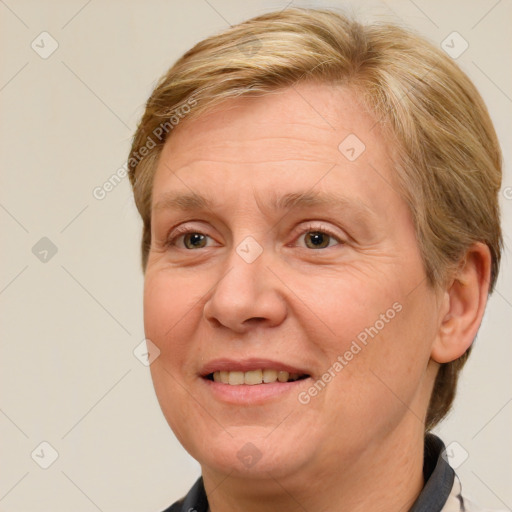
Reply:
x=447, y=156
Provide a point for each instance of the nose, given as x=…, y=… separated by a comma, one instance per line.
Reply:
x=246, y=296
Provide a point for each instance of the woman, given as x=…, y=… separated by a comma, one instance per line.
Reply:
x=321, y=233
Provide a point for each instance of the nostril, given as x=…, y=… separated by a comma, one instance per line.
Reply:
x=255, y=320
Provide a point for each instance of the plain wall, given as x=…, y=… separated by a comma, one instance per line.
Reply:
x=68, y=375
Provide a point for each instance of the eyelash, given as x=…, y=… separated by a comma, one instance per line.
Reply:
x=180, y=231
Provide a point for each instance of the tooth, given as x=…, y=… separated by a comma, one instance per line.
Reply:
x=269, y=376
x=236, y=378
x=283, y=376
x=253, y=377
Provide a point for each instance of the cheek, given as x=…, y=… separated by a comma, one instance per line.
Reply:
x=385, y=379
x=167, y=317
x=383, y=333
x=346, y=304
x=168, y=309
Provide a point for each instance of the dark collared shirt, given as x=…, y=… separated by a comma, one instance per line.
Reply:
x=441, y=493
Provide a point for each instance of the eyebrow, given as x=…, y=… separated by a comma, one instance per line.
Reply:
x=192, y=201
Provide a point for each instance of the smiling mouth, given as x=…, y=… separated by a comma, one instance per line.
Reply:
x=254, y=377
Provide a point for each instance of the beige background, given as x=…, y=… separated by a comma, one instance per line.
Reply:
x=70, y=324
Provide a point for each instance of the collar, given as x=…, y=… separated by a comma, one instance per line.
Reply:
x=441, y=492
x=439, y=478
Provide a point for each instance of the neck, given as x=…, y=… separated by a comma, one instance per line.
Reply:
x=385, y=477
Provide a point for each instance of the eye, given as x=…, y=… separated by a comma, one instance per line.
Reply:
x=190, y=239
x=319, y=237
x=194, y=240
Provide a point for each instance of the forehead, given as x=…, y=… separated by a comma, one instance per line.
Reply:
x=307, y=115
x=296, y=133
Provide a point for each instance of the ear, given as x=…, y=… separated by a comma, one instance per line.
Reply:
x=463, y=305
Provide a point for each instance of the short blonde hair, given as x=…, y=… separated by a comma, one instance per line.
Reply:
x=448, y=159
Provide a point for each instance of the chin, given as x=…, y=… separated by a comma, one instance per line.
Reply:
x=249, y=452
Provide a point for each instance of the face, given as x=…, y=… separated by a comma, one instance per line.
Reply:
x=281, y=249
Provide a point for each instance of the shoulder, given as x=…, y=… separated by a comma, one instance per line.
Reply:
x=465, y=501
x=194, y=501
x=460, y=501
x=175, y=507
x=471, y=506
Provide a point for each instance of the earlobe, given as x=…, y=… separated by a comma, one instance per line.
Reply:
x=463, y=305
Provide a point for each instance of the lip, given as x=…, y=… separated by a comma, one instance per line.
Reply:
x=247, y=365
x=257, y=394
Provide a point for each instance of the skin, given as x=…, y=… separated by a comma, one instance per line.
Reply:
x=358, y=444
